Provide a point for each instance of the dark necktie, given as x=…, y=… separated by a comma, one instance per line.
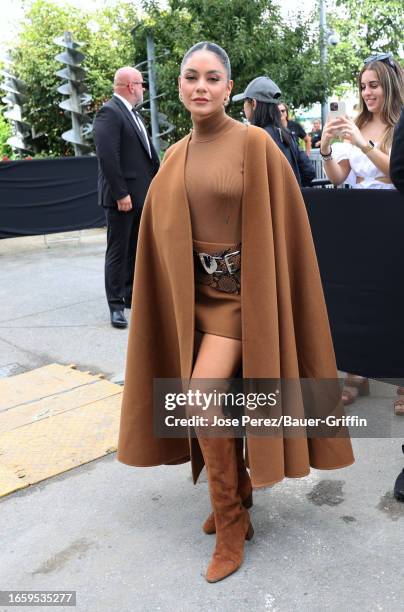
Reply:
x=142, y=130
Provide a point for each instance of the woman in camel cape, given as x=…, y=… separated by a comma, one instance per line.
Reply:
x=226, y=281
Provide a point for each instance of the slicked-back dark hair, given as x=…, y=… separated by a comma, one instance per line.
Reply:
x=213, y=48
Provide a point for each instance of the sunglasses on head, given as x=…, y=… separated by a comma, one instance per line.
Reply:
x=381, y=57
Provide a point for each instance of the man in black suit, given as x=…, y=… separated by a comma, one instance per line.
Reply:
x=127, y=162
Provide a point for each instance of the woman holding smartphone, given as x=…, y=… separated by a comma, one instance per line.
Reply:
x=369, y=137
x=365, y=152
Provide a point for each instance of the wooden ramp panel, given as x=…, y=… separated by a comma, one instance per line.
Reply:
x=53, y=419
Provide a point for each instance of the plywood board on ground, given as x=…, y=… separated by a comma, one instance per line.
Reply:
x=51, y=420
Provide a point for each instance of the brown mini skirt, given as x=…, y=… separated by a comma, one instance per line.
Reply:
x=216, y=312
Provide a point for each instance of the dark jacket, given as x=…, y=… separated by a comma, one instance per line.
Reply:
x=124, y=164
x=397, y=155
x=301, y=164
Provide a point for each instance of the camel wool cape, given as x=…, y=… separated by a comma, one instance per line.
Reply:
x=285, y=329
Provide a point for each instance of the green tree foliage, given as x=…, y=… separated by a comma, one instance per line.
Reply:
x=298, y=71
x=105, y=34
x=365, y=27
x=253, y=33
x=233, y=24
x=5, y=133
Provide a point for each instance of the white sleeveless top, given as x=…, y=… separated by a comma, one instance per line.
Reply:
x=360, y=166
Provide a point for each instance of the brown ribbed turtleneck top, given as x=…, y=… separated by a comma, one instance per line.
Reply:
x=214, y=178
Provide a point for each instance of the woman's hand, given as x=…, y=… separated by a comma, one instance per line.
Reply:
x=350, y=132
x=330, y=131
x=337, y=172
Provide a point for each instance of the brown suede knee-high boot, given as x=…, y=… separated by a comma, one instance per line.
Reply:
x=232, y=520
x=244, y=487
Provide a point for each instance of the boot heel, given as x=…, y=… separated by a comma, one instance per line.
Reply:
x=248, y=501
x=250, y=532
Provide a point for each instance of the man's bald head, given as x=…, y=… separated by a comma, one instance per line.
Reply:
x=128, y=83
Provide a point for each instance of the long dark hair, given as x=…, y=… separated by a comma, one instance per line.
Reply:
x=267, y=113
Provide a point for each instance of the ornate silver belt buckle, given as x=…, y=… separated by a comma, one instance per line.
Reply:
x=208, y=262
x=231, y=267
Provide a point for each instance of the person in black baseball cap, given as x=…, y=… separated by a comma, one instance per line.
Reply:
x=261, y=98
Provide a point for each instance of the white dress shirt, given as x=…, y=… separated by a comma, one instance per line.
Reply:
x=136, y=119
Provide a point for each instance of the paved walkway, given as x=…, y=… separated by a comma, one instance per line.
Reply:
x=130, y=539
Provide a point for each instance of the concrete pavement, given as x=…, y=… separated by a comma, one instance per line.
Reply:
x=130, y=539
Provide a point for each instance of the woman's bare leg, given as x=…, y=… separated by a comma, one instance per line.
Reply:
x=217, y=357
x=216, y=360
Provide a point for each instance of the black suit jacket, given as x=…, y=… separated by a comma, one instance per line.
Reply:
x=124, y=164
x=397, y=155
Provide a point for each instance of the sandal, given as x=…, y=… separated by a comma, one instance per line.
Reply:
x=399, y=407
x=354, y=386
x=399, y=403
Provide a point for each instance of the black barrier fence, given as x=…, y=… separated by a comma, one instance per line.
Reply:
x=45, y=196
x=358, y=236
x=359, y=242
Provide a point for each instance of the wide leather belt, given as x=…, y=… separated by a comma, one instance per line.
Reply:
x=220, y=270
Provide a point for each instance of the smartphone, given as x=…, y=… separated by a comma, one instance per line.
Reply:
x=337, y=109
